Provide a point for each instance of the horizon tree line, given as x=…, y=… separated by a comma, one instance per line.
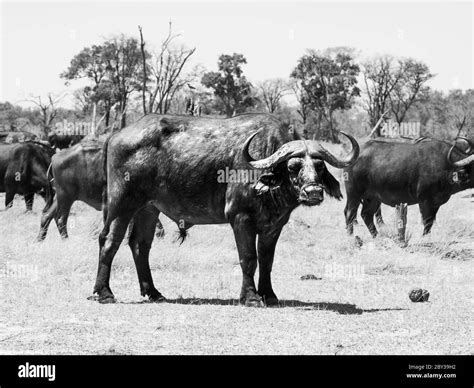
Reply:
x=330, y=89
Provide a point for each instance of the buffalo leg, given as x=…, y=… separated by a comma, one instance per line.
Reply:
x=29, y=199
x=245, y=238
x=350, y=212
x=64, y=208
x=140, y=241
x=266, y=252
x=9, y=196
x=378, y=216
x=46, y=218
x=401, y=210
x=109, y=242
x=428, y=215
x=369, y=207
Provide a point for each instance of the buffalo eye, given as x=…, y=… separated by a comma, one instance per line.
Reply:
x=319, y=165
x=294, y=165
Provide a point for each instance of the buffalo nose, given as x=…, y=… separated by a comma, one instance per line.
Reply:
x=313, y=191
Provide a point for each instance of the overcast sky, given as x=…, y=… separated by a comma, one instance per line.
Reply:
x=39, y=39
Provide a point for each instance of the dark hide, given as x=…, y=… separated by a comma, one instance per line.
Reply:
x=392, y=173
x=76, y=174
x=172, y=164
x=61, y=141
x=23, y=168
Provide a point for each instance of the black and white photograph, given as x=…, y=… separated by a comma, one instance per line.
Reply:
x=237, y=178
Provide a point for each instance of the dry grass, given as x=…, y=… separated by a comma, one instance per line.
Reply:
x=358, y=303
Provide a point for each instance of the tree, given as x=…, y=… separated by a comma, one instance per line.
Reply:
x=88, y=63
x=114, y=68
x=330, y=81
x=48, y=110
x=123, y=57
x=303, y=100
x=413, y=76
x=166, y=73
x=460, y=111
x=10, y=113
x=91, y=63
x=381, y=75
x=229, y=85
x=272, y=91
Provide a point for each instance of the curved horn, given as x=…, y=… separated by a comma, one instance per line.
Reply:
x=285, y=152
x=459, y=163
x=316, y=150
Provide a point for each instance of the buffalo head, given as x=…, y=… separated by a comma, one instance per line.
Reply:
x=464, y=167
x=299, y=165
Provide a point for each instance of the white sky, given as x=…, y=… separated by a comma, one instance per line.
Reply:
x=39, y=39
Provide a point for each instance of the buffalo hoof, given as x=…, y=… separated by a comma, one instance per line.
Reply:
x=252, y=300
x=269, y=298
x=271, y=301
x=157, y=298
x=107, y=300
x=104, y=295
x=254, y=303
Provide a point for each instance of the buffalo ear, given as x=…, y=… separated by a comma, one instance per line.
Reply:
x=266, y=182
x=331, y=185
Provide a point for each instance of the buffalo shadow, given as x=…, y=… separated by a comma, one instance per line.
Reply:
x=340, y=308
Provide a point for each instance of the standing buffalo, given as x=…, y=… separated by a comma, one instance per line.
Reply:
x=16, y=137
x=23, y=168
x=175, y=165
x=61, y=141
x=76, y=174
x=398, y=140
x=426, y=172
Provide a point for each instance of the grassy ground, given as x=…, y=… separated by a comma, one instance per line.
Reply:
x=356, y=302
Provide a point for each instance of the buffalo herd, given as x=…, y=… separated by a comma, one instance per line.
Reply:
x=169, y=164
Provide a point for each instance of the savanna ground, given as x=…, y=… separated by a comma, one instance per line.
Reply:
x=355, y=302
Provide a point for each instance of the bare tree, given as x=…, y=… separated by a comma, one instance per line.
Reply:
x=381, y=75
x=144, y=64
x=272, y=91
x=165, y=73
x=48, y=110
x=82, y=99
x=414, y=75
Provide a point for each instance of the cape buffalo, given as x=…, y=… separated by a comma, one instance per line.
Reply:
x=378, y=213
x=16, y=137
x=175, y=165
x=426, y=172
x=61, y=141
x=23, y=168
x=76, y=174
